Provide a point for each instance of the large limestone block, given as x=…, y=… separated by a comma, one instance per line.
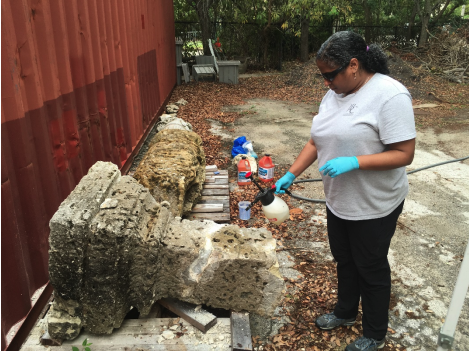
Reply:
x=119, y=257
x=69, y=229
x=122, y=267
x=221, y=266
x=174, y=169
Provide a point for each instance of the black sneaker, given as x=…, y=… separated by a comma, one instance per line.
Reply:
x=365, y=344
x=329, y=321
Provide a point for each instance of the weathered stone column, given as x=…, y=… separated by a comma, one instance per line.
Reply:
x=68, y=242
x=114, y=247
x=174, y=169
x=122, y=268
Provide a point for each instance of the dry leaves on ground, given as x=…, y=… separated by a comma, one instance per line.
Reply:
x=314, y=291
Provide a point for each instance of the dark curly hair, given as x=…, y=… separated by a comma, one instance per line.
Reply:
x=341, y=47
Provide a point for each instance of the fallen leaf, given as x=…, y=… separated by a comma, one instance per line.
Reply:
x=295, y=211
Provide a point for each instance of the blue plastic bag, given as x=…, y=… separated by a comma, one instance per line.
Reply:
x=237, y=146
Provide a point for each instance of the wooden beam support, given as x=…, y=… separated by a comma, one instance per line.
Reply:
x=208, y=208
x=219, y=172
x=216, y=186
x=220, y=217
x=209, y=198
x=210, y=192
x=211, y=168
x=193, y=314
x=241, y=332
x=46, y=340
x=217, y=176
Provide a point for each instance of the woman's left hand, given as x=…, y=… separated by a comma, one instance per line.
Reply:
x=339, y=165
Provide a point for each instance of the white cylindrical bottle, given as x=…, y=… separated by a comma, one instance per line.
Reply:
x=274, y=208
x=277, y=211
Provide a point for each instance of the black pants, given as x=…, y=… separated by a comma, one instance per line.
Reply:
x=360, y=249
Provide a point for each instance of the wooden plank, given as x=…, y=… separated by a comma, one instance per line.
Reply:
x=221, y=181
x=208, y=208
x=184, y=66
x=241, y=332
x=225, y=203
x=217, y=176
x=132, y=344
x=211, y=168
x=217, y=198
x=221, y=172
x=199, y=318
x=216, y=186
x=217, y=180
x=144, y=334
x=204, y=69
x=215, y=58
x=46, y=340
x=215, y=192
x=209, y=180
x=222, y=217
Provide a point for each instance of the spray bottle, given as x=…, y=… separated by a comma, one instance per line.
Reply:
x=274, y=208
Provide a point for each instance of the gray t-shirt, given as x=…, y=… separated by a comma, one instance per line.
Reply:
x=363, y=123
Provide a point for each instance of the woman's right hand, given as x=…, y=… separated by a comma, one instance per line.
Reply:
x=284, y=183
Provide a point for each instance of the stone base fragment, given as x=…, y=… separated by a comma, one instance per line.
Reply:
x=221, y=266
x=62, y=325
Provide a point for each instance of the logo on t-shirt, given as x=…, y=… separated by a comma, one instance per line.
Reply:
x=351, y=108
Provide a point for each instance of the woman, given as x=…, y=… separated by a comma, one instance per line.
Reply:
x=363, y=137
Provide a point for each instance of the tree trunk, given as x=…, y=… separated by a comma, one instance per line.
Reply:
x=368, y=17
x=304, y=28
x=265, y=36
x=411, y=23
x=426, y=15
x=202, y=9
x=443, y=9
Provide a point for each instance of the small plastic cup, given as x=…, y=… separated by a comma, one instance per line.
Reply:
x=242, y=212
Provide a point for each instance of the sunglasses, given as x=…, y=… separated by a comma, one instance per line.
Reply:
x=331, y=75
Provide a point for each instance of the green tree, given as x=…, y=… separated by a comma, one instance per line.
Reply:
x=308, y=11
x=434, y=10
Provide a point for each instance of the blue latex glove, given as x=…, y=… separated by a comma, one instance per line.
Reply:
x=340, y=165
x=284, y=183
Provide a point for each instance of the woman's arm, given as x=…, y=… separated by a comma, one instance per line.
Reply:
x=307, y=156
x=398, y=155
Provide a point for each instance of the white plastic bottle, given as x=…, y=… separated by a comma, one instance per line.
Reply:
x=274, y=208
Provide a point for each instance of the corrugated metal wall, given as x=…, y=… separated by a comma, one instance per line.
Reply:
x=82, y=80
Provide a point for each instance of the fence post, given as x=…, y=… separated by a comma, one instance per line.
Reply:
x=280, y=51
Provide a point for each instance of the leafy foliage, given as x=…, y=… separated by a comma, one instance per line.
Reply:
x=85, y=345
x=270, y=31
